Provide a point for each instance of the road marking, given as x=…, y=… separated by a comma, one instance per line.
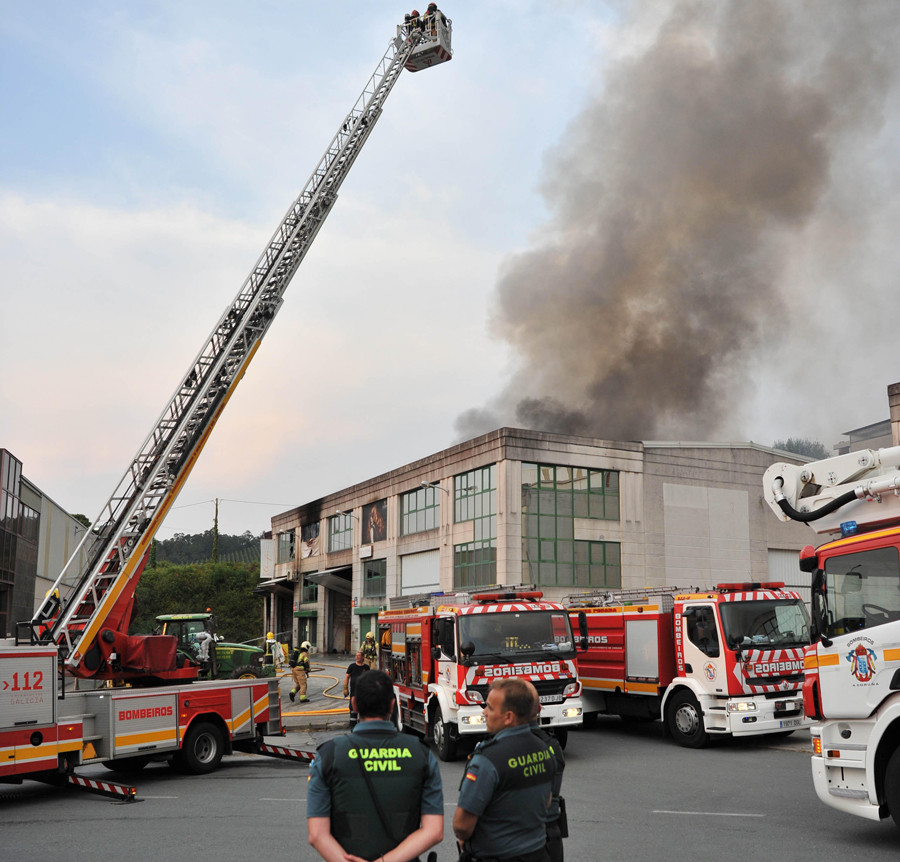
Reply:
x=709, y=813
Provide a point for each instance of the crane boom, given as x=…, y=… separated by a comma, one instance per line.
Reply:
x=115, y=548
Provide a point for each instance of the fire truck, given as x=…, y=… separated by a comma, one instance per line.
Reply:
x=852, y=678
x=137, y=697
x=725, y=661
x=443, y=649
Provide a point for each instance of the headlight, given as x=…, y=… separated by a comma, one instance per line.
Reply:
x=570, y=689
x=474, y=696
x=742, y=706
x=572, y=712
x=473, y=719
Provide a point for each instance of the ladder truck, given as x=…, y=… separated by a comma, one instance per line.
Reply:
x=851, y=683
x=151, y=705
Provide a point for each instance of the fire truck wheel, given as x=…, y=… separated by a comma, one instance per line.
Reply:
x=684, y=718
x=892, y=786
x=247, y=672
x=441, y=736
x=202, y=750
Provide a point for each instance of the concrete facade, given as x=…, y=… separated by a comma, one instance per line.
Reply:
x=688, y=514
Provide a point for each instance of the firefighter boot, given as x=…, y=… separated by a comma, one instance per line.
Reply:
x=291, y=694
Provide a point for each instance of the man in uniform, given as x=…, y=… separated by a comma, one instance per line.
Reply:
x=557, y=825
x=369, y=649
x=506, y=789
x=299, y=664
x=374, y=793
x=353, y=672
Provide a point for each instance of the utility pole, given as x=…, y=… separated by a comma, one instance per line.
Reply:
x=215, y=547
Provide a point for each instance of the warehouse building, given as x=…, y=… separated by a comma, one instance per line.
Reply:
x=567, y=514
x=37, y=537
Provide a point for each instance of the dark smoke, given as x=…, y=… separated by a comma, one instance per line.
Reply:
x=678, y=198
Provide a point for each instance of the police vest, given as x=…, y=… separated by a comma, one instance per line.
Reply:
x=514, y=820
x=397, y=765
x=522, y=760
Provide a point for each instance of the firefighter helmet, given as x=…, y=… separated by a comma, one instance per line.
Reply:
x=369, y=635
x=270, y=636
x=306, y=645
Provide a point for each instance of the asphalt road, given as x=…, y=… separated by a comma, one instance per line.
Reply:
x=631, y=795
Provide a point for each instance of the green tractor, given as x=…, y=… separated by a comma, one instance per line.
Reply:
x=199, y=643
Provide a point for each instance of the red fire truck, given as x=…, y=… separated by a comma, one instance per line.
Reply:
x=710, y=663
x=443, y=650
x=143, y=700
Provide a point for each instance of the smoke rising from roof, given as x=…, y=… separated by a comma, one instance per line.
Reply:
x=682, y=199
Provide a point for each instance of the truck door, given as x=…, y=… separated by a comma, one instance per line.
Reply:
x=444, y=640
x=704, y=658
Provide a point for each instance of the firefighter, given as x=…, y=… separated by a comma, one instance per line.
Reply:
x=299, y=664
x=203, y=640
x=273, y=648
x=507, y=785
x=374, y=793
x=369, y=649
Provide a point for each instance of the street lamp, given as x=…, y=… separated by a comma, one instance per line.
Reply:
x=437, y=485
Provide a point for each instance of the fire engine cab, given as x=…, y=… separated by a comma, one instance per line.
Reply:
x=443, y=649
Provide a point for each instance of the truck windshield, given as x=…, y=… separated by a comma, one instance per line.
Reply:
x=862, y=590
x=518, y=634
x=765, y=623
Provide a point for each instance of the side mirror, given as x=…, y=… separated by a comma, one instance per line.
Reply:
x=435, y=653
x=467, y=648
x=583, y=630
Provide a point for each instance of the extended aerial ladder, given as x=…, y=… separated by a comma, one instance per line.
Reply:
x=90, y=623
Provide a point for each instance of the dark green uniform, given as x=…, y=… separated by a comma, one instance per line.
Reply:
x=405, y=777
x=507, y=785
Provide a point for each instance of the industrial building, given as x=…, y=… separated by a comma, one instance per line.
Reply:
x=37, y=537
x=567, y=514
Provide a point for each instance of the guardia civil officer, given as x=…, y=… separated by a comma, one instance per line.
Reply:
x=557, y=824
x=374, y=794
x=506, y=789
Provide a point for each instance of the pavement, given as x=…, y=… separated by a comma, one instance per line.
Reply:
x=326, y=709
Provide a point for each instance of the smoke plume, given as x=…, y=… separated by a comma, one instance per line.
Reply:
x=680, y=198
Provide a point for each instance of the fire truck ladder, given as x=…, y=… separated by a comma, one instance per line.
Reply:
x=612, y=598
x=121, y=534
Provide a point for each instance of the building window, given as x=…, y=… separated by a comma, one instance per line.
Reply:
x=552, y=498
x=307, y=629
x=309, y=535
x=308, y=592
x=340, y=532
x=285, y=547
x=374, y=578
x=475, y=499
x=420, y=510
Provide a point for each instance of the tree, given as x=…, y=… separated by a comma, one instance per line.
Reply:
x=82, y=519
x=802, y=446
x=226, y=589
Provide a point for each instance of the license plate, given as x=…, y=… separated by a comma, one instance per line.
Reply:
x=791, y=722
x=552, y=698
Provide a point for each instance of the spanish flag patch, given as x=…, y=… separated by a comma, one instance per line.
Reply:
x=471, y=776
